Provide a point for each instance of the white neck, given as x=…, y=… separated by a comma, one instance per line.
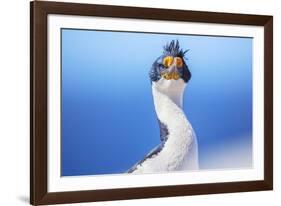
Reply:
x=173, y=89
x=178, y=152
x=168, y=101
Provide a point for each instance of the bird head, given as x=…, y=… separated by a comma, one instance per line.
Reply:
x=171, y=65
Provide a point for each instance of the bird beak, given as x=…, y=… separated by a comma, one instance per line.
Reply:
x=171, y=73
x=169, y=76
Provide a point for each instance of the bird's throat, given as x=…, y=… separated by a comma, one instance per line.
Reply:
x=172, y=89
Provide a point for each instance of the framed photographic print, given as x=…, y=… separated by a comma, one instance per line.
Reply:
x=133, y=102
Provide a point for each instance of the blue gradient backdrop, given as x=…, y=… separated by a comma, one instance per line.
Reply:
x=108, y=118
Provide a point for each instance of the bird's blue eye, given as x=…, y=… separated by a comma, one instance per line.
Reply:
x=179, y=62
x=167, y=61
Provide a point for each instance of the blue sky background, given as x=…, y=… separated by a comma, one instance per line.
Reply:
x=108, y=117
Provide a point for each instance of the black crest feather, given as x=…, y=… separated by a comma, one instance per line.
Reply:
x=173, y=48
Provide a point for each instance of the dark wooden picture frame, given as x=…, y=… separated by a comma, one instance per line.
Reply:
x=39, y=11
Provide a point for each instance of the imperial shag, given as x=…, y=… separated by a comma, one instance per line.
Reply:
x=178, y=150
